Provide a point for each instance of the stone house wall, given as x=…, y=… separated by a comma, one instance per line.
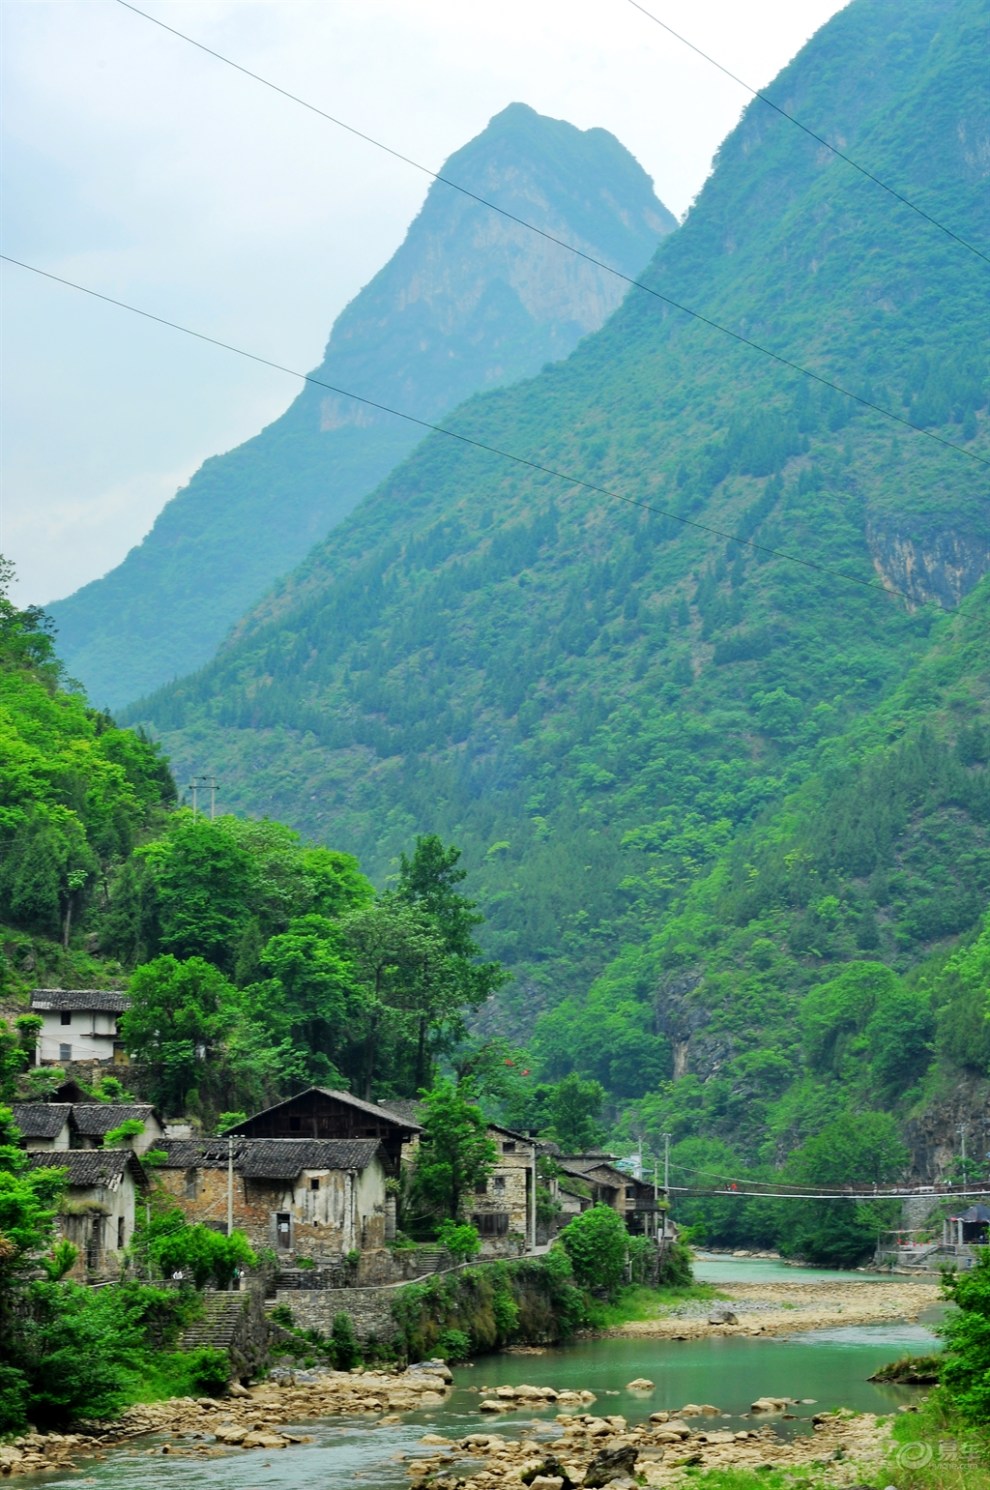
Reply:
x=100, y=1222
x=87, y=1036
x=370, y=1309
x=507, y=1194
x=322, y=1213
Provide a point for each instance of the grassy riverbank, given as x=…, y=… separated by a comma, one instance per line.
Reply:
x=932, y=1449
x=778, y=1308
x=638, y=1304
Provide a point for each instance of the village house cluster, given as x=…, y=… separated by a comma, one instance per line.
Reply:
x=314, y=1179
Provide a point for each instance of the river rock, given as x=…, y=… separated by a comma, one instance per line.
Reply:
x=770, y=1404
x=230, y=1433
x=264, y=1440
x=641, y=1384
x=610, y=1465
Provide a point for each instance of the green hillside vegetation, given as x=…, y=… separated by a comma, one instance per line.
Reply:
x=601, y=704
x=808, y=970
x=469, y=301
x=76, y=795
x=257, y=963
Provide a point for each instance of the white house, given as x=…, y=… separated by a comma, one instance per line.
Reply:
x=79, y=1024
x=98, y=1207
x=44, y=1126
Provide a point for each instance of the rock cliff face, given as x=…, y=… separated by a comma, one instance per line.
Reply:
x=934, y=1138
x=944, y=566
x=471, y=300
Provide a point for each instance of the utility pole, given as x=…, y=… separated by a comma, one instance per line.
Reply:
x=230, y=1185
x=961, y=1130
x=666, y=1163
x=532, y=1218
x=204, y=783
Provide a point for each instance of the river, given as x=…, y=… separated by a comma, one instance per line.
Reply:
x=828, y=1366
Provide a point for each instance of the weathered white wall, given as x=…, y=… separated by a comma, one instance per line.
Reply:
x=90, y=1036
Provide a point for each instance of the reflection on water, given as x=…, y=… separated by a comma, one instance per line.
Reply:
x=830, y=1366
x=713, y=1267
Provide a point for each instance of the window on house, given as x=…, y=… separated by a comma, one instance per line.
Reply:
x=481, y=1187
x=509, y=1147
x=295, y=1124
x=65, y=1052
x=192, y=1184
x=66, y=1016
x=314, y=1184
x=120, y=1233
x=499, y=1183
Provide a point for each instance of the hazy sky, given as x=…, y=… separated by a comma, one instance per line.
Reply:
x=153, y=173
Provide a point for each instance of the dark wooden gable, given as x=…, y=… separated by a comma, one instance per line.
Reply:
x=323, y=1114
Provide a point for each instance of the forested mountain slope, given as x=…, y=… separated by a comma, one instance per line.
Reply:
x=596, y=700
x=817, y=965
x=470, y=300
x=76, y=795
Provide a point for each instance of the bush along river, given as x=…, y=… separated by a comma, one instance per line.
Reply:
x=655, y=1403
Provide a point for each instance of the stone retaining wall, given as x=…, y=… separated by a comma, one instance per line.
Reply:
x=370, y=1309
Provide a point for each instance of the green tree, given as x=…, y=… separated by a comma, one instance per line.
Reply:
x=429, y=880
x=856, y=1148
x=964, y=1377
x=455, y=1154
x=413, y=990
x=170, y=1244
x=311, y=998
x=460, y=1239
x=575, y=1110
x=597, y=1243
x=16, y=1050
x=201, y=881
x=179, y=1015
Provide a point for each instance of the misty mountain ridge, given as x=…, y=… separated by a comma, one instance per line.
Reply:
x=470, y=300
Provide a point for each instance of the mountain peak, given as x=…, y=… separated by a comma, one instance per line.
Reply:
x=471, y=300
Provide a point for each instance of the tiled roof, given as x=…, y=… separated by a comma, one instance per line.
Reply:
x=284, y=1158
x=270, y=1158
x=96, y=1118
x=406, y=1108
x=98, y=1000
x=90, y=1167
x=411, y=1111
x=197, y=1153
x=597, y=1170
x=41, y=1119
x=351, y=1101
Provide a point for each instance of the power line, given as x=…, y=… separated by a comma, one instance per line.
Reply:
x=889, y=591
x=820, y=139
x=638, y=284
x=860, y=1195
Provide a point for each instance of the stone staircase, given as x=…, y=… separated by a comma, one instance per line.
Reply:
x=218, y=1323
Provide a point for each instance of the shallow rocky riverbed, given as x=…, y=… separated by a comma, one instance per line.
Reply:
x=570, y=1433
x=775, y=1308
